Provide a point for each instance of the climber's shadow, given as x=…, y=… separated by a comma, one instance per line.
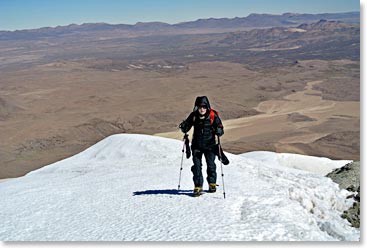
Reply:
x=164, y=192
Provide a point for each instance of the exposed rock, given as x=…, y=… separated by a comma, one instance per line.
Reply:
x=297, y=117
x=348, y=177
x=353, y=213
x=41, y=144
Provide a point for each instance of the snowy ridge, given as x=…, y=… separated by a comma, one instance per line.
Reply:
x=125, y=188
x=313, y=164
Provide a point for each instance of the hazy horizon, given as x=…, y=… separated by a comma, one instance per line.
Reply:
x=167, y=22
x=34, y=14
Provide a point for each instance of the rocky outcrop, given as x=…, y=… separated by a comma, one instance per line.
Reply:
x=348, y=177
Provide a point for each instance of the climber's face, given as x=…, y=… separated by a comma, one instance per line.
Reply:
x=202, y=109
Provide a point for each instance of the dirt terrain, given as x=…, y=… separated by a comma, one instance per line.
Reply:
x=63, y=108
x=59, y=96
x=297, y=123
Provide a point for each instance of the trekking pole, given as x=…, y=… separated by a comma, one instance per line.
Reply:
x=221, y=166
x=183, y=151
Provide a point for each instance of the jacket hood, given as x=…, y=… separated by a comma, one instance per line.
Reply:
x=201, y=100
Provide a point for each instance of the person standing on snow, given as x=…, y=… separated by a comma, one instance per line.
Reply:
x=207, y=125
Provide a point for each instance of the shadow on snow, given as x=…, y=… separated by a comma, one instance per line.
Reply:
x=164, y=192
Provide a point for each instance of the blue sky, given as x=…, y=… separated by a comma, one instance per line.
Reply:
x=25, y=14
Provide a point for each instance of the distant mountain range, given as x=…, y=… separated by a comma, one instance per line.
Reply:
x=267, y=20
x=300, y=35
x=200, y=25
x=323, y=39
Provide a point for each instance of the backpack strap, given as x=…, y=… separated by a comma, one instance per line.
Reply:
x=212, y=115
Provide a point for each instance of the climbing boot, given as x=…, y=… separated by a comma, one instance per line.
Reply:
x=212, y=187
x=198, y=191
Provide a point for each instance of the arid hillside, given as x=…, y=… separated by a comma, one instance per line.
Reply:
x=286, y=89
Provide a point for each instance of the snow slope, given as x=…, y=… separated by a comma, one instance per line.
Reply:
x=313, y=164
x=125, y=188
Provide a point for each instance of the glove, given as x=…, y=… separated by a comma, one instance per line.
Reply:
x=221, y=156
x=219, y=131
x=187, y=144
x=184, y=127
x=224, y=158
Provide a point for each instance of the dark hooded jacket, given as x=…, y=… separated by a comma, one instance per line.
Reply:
x=204, y=131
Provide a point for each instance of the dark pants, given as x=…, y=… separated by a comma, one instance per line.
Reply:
x=196, y=168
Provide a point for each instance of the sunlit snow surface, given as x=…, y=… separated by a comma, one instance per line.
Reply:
x=125, y=188
x=313, y=164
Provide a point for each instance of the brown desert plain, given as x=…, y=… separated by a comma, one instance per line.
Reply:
x=280, y=89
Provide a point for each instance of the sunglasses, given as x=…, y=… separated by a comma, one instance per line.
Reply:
x=202, y=106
